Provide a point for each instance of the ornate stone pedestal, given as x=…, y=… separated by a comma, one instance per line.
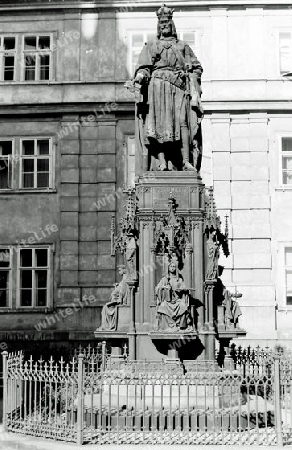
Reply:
x=171, y=310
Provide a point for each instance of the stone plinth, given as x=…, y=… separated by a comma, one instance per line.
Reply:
x=154, y=189
x=157, y=397
x=174, y=341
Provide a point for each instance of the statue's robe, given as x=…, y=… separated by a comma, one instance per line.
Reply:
x=109, y=313
x=163, y=61
x=172, y=309
x=213, y=256
x=232, y=309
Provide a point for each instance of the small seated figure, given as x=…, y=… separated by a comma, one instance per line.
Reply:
x=109, y=313
x=232, y=310
x=173, y=302
x=229, y=307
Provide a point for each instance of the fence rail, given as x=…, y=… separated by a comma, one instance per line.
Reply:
x=98, y=399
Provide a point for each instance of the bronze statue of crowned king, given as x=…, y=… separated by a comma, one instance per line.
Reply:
x=169, y=111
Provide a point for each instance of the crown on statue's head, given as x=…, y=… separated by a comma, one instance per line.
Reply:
x=164, y=12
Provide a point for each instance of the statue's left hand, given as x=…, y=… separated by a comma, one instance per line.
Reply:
x=129, y=84
x=139, y=77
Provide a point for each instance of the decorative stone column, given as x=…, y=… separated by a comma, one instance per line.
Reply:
x=152, y=276
x=189, y=266
x=132, y=326
x=198, y=269
x=209, y=302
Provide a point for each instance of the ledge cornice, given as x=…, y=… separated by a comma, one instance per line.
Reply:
x=130, y=6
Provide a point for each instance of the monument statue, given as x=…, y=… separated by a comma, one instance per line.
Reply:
x=169, y=110
x=157, y=231
x=232, y=309
x=213, y=254
x=109, y=314
x=172, y=312
x=227, y=302
x=130, y=257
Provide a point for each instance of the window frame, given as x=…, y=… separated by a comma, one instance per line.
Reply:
x=49, y=269
x=10, y=268
x=11, y=162
x=37, y=53
x=3, y=54
x=130, y=144
x=286, y=269
x=280, y=156
x=280, y=272
x=50, y=156
x=279, y=31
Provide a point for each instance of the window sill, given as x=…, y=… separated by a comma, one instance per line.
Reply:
x=287, y=187
x=5, y=82
x=283, y=308
x=19, y=310
x=27, y=191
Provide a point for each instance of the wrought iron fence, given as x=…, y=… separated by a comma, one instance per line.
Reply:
x=96, y=398
x=252, y=360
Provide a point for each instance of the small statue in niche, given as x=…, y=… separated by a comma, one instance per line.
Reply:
x=109, y=314
x=131, y=256
x=213, y=253
x=232, y=309
x=172, y=312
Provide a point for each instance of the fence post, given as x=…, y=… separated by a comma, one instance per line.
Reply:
x=103, y=356
x=5, y=388
x=278, y=415
x=80, y=400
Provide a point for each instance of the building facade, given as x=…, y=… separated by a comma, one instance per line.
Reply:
x=67, y=151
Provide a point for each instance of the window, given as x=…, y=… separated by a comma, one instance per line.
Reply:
x=26, y=57
x=288, y=275
x=138, y=38
x=7, y=58
x=34, y=276
x=5, y=275
x=6, y=147
x=285, y=51
x=286, y=160
x=37, y=58
x=36, y=164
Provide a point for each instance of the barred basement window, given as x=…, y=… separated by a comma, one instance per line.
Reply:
x=5, y=276
x=286, y=160
x=6, y=157
x=37, y=58
x=34, y=275
x=7, y=58
x=36, y=163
